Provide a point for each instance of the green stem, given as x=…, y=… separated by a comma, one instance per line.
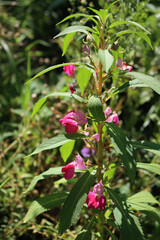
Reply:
x=100, y=153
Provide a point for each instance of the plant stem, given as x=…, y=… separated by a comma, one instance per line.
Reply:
x=100, y=153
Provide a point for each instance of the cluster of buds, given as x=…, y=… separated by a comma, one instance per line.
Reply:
x=70, y=71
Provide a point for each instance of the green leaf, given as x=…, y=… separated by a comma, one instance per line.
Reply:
x=125, y=218
x=111, y=5
x=106, y=59
x=83, y=78
x=151, y=167
x=79, y=15
x=66, y=150
x=124, y=148
x=75, y=28
x=146, y=209
x=41, y=101
x=75, y=200
x=128, y=22
x=56, y=142
x=148, y=146
x=3, y=183
x=140, y=34
x=54, y=67
x=86, y=232
x=95, y=107
x=50, y=172
x=143, y=197
x=149, y=81
x=44, y=204
x=68, y=38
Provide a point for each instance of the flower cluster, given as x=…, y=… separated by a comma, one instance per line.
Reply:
x=72, y=120
x=95, y=198
x=69, y=169
x=111, y=117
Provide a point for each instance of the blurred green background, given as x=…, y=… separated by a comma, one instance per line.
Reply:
x=27, y=28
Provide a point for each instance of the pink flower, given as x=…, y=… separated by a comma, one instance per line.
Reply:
x=72, y=89
x=96, y=199
x=80, y=118
x=69, y=70
x=69, y=169
x=111, y=118
x=123, y=65
x=98, y=188
x=72, y=120
x=79, y=164
x=96, y=136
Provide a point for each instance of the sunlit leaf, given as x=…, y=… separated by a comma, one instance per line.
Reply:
x=148, y=80
x=83, y=78
x=125, y=218
x=66, y=150
x=148, y=146
x=44, y=204
x=106, y=59
x=143, y=197
x=151, y=167
x=68, y=38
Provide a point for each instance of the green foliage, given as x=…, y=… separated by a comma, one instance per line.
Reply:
x=106, y=59
x=124, y=148
x=83, y=78
x=75, y=200
x=43, y=204
x=95, y=108
x=66, y=150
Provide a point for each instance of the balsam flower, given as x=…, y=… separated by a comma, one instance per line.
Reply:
x=72, y=89
x=96, y=136
x=69, y=169
x=96, y=199
x=72, y=120
x=123, y=65
x=86, y=152
x=111, y=117
x=69, y=70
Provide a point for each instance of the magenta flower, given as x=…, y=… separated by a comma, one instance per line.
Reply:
x=111, y=117
x=72, y=89
x=123, y=65
x=96, y=199
x=96, y=136
x=69, y=169
x=69, y=70
x=72, y=120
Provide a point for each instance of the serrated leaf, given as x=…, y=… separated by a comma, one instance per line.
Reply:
x=151, y=167
x=124, y=148
x=66, y=150
x=148, y=146
x=75, y=200
x=106, y=59
x=146, y=209
x=75, y=28
x=143, y=197
x=128, y=22
x=56, y=142
x=68, y=38
x=126, y=220
x=50, y=172
x=149, y=81
x=95, y=107
x=86, y=232
x=44, y=204
x=83, y=78
x=140, y=34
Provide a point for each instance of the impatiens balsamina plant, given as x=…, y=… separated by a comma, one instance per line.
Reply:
x=106, y=147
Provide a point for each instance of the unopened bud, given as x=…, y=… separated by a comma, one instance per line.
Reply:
x=86, y=50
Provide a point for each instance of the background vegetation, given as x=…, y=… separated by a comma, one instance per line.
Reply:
x=27, y=47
